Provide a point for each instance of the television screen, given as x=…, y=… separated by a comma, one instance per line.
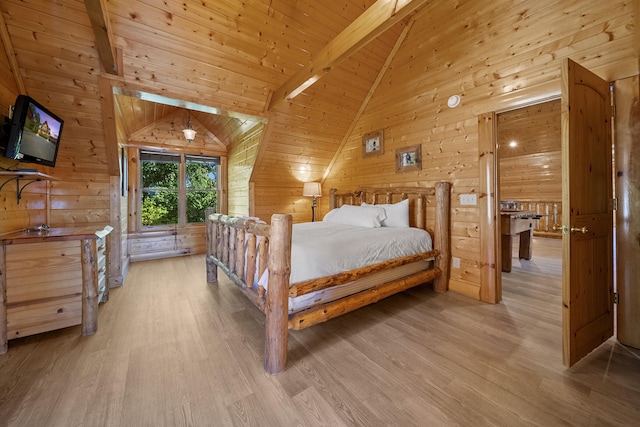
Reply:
x=35, y=133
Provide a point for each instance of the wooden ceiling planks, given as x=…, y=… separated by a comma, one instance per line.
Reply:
x=374, y=21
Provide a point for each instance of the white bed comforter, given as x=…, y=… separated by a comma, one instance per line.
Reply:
x=322, y=249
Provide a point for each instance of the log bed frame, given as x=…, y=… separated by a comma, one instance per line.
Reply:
x=226, y=237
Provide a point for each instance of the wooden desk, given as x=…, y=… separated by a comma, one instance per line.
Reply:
x=512, y=223
x=48, y=280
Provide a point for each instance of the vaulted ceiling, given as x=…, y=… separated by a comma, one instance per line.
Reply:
x=229, y=62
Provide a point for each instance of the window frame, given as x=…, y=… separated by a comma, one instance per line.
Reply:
x=181, y=190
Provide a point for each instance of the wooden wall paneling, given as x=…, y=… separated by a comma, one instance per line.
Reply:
x=10, y=67
x=187, y=240
x=31, y=211
x=115, y=273
x=434, y=63
x=531, y=170
x=58, y=61
x=167, y=133
x=223, y=186
x=109, y=126
x=80, y=203
x=242, y=157
x=368, y=97
x=320, y=112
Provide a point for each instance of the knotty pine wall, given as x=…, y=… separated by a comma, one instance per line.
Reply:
x=532, y=170
x=242, y=158
x=55, y=61
x=495, y=55
x=32, y=209
x=304, y=134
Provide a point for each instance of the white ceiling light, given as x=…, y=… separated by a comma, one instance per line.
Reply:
x=454, y=101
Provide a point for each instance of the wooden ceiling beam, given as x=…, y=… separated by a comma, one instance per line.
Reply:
x=378, y=18
x=97, y=11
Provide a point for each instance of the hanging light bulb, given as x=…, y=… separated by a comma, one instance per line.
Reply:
x=189, y=132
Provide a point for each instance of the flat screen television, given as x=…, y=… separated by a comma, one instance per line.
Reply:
x=33, y=133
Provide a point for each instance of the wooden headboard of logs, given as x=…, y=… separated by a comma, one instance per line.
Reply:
x=422, y=200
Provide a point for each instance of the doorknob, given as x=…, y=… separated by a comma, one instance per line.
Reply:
x=582, y=230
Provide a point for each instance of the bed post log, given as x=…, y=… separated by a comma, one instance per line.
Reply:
x=442, y=238
x=210, y=237
x=276, y=310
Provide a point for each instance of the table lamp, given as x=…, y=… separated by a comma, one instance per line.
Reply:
x=312, y=189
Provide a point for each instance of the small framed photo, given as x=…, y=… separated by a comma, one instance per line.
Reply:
x=373, y=143
x=409, y=159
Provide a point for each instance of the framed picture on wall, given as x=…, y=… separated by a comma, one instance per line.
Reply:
x=373, y=143
x=409, y=159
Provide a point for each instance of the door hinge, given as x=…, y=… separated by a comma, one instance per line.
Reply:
x=614, y=204
x=613, y=110
x=616, y=298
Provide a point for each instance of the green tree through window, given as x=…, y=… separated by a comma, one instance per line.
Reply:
x=201, y=185
x=162, y=197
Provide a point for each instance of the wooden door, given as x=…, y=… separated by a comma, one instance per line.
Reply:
x=587, y=276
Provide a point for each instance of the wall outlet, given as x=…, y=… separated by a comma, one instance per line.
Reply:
x=468, y=199
x=456, y=262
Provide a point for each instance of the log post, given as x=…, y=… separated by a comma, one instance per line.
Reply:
x=240, y=253
x=421, y=214
x=231, y=261
x=277, y=308
x=251, y=260
x=89, y=287
x=332, y=199
x=4, y=341
x=210, y=235
x=442, y=240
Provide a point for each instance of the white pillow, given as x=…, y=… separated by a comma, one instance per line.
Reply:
x=362, y=216
x=397, y=213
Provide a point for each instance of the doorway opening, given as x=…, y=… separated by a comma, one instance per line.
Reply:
x=529, y=184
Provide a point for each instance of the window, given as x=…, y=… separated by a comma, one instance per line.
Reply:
x=201, y=186
x=177, y=188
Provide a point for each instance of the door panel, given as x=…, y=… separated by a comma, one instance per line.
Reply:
x=587, y=288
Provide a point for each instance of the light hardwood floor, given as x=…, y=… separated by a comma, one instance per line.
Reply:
x=174, y=351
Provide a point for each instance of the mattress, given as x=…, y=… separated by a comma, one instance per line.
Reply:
x=321, y=249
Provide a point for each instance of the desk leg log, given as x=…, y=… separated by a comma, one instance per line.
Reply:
x=89, y=288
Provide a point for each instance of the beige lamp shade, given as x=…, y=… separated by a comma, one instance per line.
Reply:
x=312, y=189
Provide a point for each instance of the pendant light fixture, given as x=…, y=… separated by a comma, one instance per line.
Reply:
x=189, y=132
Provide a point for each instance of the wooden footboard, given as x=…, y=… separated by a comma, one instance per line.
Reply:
x=244, y=248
